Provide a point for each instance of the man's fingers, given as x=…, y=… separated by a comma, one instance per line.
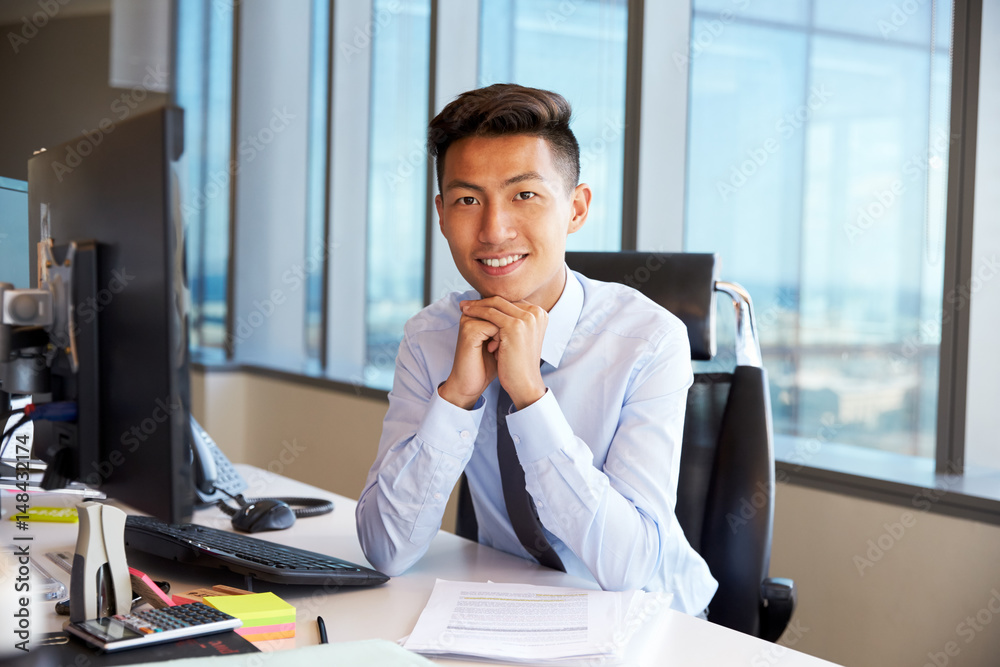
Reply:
x=504, y=314
x=479, y=328
x=490, y=314
x=537, y=311
x=516, y=309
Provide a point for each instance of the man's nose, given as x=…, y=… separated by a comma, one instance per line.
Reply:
x=497, y=225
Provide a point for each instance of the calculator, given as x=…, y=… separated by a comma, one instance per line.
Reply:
x=153, y=626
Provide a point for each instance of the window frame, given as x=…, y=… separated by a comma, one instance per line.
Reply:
x=958, y=259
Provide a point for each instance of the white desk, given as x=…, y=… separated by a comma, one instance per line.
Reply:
x=390, y=611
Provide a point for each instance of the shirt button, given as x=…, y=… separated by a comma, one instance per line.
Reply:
x=465, y=435
x=517, y=439
x=437, y=496
x=538, y=504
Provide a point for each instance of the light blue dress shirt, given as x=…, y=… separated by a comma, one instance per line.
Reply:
x=601, y=449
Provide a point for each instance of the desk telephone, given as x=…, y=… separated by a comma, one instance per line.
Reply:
x=215, y=478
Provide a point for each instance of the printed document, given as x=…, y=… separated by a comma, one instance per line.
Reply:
x=524, y=623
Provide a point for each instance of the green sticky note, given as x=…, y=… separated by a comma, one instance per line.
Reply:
x=255, y=609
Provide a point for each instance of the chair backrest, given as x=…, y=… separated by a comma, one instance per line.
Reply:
x=724, y=494
x=683, y=283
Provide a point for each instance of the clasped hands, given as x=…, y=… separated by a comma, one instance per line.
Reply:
x=497, y=339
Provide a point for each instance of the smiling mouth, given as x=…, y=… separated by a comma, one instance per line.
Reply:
x=501, y=261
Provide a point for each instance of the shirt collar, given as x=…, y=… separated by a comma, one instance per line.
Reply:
x=562, y=320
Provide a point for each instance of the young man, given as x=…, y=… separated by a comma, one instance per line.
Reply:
x=591, y=378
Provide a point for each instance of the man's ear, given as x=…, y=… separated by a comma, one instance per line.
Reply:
x=439, y=205
x=580, y=207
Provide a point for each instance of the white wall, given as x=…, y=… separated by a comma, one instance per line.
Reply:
x=913, y=599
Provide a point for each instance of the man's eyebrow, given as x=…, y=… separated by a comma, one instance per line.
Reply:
x=526, y=176
x=464, y=185
x=520, y=178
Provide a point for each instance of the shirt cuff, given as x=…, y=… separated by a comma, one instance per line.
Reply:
x=449, y=428
x=539, y=429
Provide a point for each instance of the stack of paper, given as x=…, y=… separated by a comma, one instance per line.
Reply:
x=530, y=624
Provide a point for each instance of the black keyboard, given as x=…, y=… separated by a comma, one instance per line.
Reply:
x=243, y=554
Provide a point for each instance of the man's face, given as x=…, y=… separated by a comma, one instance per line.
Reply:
x=506, y=210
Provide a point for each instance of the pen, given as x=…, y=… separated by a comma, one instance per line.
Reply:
x=322, y=630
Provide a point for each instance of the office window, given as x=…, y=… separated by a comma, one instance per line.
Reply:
x=578, y=50
x=817, y=167
x=204, y=91
x=397, y=179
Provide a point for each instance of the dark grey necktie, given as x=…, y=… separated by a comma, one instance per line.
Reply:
x=520, y=507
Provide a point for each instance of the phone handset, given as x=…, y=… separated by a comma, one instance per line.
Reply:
x=212, y=470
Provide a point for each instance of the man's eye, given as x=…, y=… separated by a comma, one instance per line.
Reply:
x=467, y=201
x=524, y=195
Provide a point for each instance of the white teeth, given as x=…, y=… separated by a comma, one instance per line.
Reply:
x=503, y=261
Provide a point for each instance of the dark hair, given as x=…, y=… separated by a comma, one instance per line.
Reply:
x=506, y=109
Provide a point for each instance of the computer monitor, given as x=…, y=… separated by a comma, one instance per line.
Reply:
x=113, y=192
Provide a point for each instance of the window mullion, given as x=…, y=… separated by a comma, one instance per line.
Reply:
x=455, y=70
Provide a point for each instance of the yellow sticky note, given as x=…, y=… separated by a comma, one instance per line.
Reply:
x=49, y=514
x=255, y=609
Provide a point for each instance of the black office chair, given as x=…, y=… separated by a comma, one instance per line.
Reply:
x=724, y=498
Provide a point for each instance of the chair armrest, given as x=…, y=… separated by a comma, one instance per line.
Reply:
x=777, y=602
